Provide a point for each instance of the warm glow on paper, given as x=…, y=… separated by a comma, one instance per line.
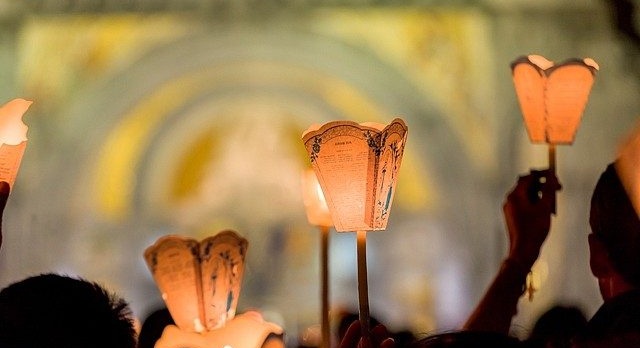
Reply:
x=199, y=281
x=314, y=202
x=13, y=138
x=357, y=167
x=552, y=97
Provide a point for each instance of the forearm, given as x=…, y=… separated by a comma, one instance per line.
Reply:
x=499, y=304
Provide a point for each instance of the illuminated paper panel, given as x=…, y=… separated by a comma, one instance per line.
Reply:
x=199, y=281
x=173, y=262
x=552, y=97
x=222, y=264
x=357, y=167
x=315, y=204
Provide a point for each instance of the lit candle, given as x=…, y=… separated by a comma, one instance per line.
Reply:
x=13, y=138
x=318, y=214
x=552, y=98
x=357, y=167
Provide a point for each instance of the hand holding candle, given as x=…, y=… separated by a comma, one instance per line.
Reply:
x=552, y=98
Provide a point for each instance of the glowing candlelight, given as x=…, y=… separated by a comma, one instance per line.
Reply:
x=318, y=215
x=552, y=98
x=357, y=167
x=13, y=138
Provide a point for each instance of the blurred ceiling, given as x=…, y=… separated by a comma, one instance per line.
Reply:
x=9, y=8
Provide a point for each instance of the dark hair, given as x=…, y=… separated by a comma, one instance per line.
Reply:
x=557, y=326
x=55, y=311
x=153, y=326
x=467, y=339
x=615, y=223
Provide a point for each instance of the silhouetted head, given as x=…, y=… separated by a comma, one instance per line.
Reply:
x=557, y=326
x=615, y=223
x=153, y=326
x=54, y=311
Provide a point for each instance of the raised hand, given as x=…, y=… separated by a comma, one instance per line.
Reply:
x=380, y=337
x=527, y=212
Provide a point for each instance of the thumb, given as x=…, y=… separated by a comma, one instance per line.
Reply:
x=5, y=189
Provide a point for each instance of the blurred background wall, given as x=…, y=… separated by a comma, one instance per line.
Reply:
x=153, y=117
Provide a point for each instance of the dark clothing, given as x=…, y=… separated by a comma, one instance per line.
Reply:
x=615, y=223
x=616, y=323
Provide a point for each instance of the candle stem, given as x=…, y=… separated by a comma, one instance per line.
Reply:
x=363, y=291
x=324, y=259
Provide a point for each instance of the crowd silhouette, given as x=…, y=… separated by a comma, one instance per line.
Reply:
x=56, y=311
x=614, y=246
x=52, y=310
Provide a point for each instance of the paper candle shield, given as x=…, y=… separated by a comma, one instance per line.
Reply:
x=199, y=281
x=314, y=202
x=13, y=138
x=552, y=97
x=357, y=167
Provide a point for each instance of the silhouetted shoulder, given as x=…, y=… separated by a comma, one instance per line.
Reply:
x=467, y=339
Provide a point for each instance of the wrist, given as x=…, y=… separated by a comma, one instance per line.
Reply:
x=517, y=271
x=524, y=257
x=517, y=265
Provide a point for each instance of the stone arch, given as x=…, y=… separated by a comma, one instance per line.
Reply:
x=301, y=71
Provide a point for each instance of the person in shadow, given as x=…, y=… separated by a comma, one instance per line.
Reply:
x=556, y=327
x=56, y=311
x=614, y=245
